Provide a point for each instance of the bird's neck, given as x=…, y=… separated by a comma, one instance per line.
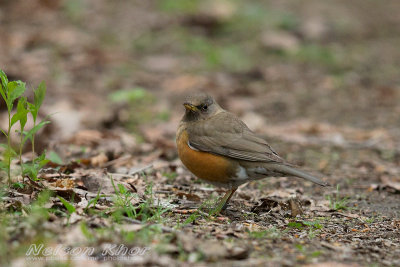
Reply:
x=190, y=117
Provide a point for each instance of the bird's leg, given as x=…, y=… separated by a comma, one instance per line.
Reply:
x=223, y=204
x=229, y=197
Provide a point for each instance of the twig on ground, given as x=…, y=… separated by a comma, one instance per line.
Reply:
x=192, y=211
x=132, y=174
x=141, y=169
x=121, y=175
x=120, y=160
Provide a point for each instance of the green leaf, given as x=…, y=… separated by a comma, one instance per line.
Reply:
x=33, y=110
x=54, y=157
x=34, y=130
x=41, y=161
x=2, y=92
x=122, y=189
x=18, y=185
x=31, y=170
x=17, y=117
x=15, y=90
x=39, y=95
x=4, y=83
x=40, y=158
x=3, y=77
x=5, y=134
x=94, y=200
x=113, y=184
x=21, y=114
x=68, y=206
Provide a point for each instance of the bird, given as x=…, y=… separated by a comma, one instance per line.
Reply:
x=219, y=148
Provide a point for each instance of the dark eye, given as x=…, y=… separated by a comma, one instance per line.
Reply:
x=204, y=107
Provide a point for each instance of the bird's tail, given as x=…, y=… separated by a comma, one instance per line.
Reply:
x=284, y=169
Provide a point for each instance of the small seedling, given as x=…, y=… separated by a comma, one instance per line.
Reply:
x=338, y=203
x=18, y=185
x=297, y=225
x=370, y=220
x=207, y=204
x=93, y=201
x=144, y=211
x=70, y=208
x=32, y=169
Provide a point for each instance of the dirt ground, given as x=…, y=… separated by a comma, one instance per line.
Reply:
x=320, y=80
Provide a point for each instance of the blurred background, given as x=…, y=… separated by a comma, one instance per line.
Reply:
x=320, y=67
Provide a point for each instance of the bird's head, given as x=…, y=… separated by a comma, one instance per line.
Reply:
x=200, y=106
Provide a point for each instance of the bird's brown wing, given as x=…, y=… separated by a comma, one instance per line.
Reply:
x=224, y=134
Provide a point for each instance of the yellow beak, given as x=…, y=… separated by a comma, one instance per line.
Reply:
x=190, y=107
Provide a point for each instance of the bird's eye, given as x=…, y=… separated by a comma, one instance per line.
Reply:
x=204, y=107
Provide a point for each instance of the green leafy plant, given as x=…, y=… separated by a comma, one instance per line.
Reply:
x=12, y=91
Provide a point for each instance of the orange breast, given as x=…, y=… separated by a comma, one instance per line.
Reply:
x=204, y=165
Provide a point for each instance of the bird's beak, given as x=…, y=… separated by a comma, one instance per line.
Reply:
x=190, y=107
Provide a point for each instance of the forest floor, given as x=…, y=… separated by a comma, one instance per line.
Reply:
x=320, y=81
